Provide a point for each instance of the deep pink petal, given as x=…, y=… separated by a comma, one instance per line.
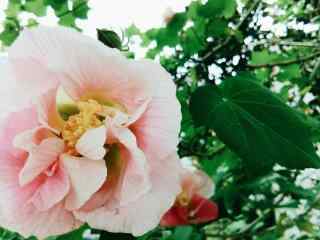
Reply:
x=203, y=210
x=176, y=216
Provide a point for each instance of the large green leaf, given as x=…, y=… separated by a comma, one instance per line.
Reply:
x=255, y=124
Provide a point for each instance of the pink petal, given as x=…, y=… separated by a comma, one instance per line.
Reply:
x=16, y=123
x=142, y=215
x=31, y=76
x=48, y=112
x=40, y=158
x=86, y=177
x=31, y=138
x=197, y=182
x=158, y=128
x=18, y=213
x=135, y=182
x=80, y=64
x=52, y=191
x=91, y=143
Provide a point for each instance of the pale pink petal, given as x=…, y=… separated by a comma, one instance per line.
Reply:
x=206, y=186
x=142, y=215
x=30, y=138
x=158, y=128
x=31, y=76
x=91, y=143
x=16, y=123
x=136, y=180
x=137, y=114
x=18, y=213
x=86, y=177
x=48, y=112
x=52, y=191
x=197, y=182
x=82, y=62
x=40, y=158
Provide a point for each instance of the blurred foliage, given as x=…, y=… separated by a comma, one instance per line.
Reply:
x=248, y=80
x=67, y=11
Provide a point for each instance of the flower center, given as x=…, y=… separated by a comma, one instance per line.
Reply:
x=78, y=124
x=183, y=199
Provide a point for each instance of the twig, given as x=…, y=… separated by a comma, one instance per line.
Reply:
x=315, y=69
x=228, y=39
x=290, y=43
x=287, y=62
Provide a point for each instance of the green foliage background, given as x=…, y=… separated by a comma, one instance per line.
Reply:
x=250, y=104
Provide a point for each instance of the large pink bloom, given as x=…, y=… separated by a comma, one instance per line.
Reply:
x=111, y=162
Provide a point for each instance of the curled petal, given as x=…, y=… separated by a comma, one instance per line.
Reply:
x=17, y=211
x=40, y=158
x=157, y=129
x=47, y=111
x=143, y=215
x=86, y=177
x=52, y=191
x=91, y=143
x=135, y=180
x=31, y=138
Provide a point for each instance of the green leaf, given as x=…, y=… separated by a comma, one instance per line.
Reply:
x=217, y=28
x=13, y=8
x=262, y=57
x=212, y=8
x=255, y=124
x=229, y=8
x=74, y=235
x=37, y=7
x=115, y=236
x=80, y=9
x=109, y=38
x=11, y=31
x=68, y=20
x=184, y=232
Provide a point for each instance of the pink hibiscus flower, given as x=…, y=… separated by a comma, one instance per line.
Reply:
x=192, y=205
x=111, y=161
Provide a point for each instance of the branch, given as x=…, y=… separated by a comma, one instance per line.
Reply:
x=315, y=70
x=228, y=39
x=287, y=62
x=289, y=43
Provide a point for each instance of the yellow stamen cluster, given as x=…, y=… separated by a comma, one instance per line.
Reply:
x=78, y=124
x=183, y=199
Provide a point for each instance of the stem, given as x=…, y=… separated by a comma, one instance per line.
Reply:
x=290, y=43
x=287, y=62
x=315, y=69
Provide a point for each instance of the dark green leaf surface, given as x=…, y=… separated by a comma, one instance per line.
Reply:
x=109, y=38
x=255, y=124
